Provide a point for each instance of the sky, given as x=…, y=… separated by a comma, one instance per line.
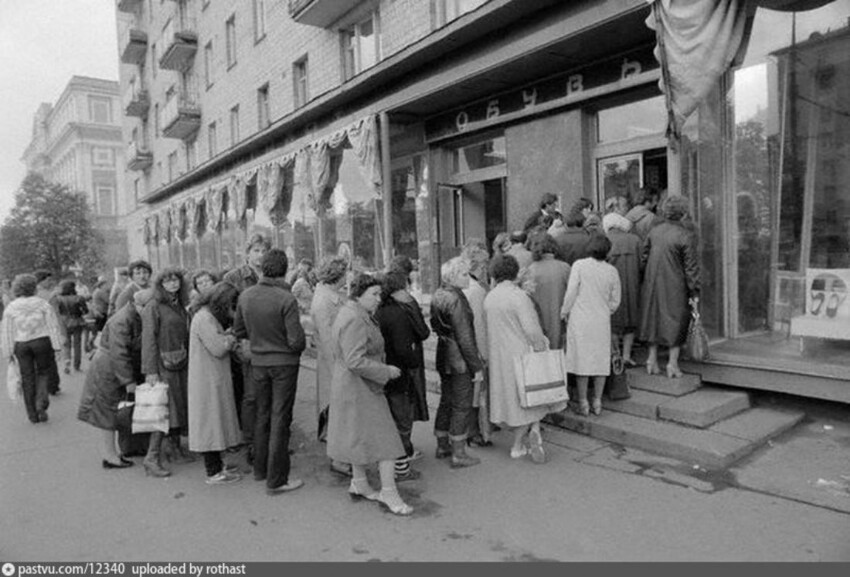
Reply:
x=43, y=43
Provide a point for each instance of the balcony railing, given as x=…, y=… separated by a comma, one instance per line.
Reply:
x=320, y=13
x=181, y=117
x=139, y=157
x=136, y=102
x=128, y=5
x=179, y=43
x=134, y=46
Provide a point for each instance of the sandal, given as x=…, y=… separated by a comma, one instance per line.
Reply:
x=673, y=372
x=652, y=368
x=519, y=453
x=596, y=408
x=538, y=455
x=583, y=408
x=391, y=501
x=361, y=489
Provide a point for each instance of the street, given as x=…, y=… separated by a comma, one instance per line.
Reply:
x=591, y=502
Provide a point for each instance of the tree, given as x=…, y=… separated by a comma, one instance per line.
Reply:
x=50, y=228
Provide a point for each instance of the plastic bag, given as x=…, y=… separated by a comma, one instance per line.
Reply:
x=13, y=381
x=150, y=413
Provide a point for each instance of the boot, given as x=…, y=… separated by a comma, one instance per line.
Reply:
x=152, y=464
x=459, y=456
x=179, y=454
x=444, y=448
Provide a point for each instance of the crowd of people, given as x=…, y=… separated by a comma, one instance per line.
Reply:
x=229, y=347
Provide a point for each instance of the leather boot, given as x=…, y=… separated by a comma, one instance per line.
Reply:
x=152, y=464
x=179, y=454
x=444, y=448
x=459, y=456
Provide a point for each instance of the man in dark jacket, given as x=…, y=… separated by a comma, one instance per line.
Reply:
x=140, y=278
x=545, y=216
x=458, y=362
x=267, y=315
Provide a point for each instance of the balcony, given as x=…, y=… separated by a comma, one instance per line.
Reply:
x=179, y=43
x=134, y=46
x=128, y=5
x=181, y=117
x=138, y=156
x=136, y=102
x=321, y=13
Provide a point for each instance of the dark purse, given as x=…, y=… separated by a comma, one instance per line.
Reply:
x=617, y=383
x=124, y=414
x=697, y=343
x=175, y=360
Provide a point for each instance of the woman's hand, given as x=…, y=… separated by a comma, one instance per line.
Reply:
x=152, y=378
x=395, y=372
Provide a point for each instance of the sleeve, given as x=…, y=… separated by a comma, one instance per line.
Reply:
x=120, y=352
x=353, y=342
x=417, y=321
x=239, y=328
x=7, y=336
x=398, y=338
x=570, y=296
x=531, y=324
x=323, y=317
x=614, y=295
x=691, y=266
x=292, y=321
x=123, y=298
x=150, y=328
x=465, y=333
x=53, y=328
x=209, y=335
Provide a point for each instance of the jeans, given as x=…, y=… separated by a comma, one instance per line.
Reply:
x=275, y=393
x=75, y=337
x=35, y=358
x=213, y=463
x=401, y=408
x=249, y=402
x=455, y=405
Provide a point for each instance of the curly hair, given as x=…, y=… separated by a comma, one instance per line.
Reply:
x=139, y=264
x=394, y=280
x=220, y=300
x=275, y=264
x=675, y=208
x=24, y=285
x=598, y=246
x=332, y=269
x=362, y=282
x=168, y=273
x=504, y=267
x=67, y=287
x=542, y=243
x=202, y=273
x=257, y=239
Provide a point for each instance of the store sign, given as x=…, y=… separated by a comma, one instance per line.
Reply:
x=560, y=90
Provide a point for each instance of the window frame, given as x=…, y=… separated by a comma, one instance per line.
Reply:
x=94, y=101
x=212, y=139
x=352, y=56
x=98, y=187
x=263, y=109
x=259, y=14
x=230, y=41
x=209, y=65
x=300, y=81
x=234, y=125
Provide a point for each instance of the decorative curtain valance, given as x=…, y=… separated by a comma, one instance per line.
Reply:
x=187, y=218
x=146, y=231
x=214, y=207
x=237, y=194
x=198, y=223
x=156, y=231
x=165, y=225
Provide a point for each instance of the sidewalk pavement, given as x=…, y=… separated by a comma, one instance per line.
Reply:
x=592, y=501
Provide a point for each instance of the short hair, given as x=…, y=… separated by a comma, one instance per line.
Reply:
x=394, y=280
x=593, y=221
x=24, y=285
x=547, y=199
x=478, y=259
x=542, y=243
x=501, y=240
x=583, y=203
x=504, y=267
x=141, y=263
x=42, y=274
x=67, y=287
x=332, y=269
x=575, y=217
x=675, y=208
x=200, y=273
x=220, y=300
x=401, y=263
x=598, y=246
x=518, y=236
x=643, y=195
x=165, y=274
x=362, y=282
x=257, y=238
x=453, y=268
x=275, y=264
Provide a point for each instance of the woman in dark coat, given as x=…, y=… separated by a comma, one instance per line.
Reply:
x=671, y=280
x=115, y=370
x=625, y=256
x=71, y=308
x=165, y=358
x=403, y=329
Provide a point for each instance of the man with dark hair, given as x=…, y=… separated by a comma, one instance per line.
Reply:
x=140, y=278
x=546, y=215
x=267, y=315
x=249, y=274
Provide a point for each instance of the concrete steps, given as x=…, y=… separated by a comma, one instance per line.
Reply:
x=701, y=408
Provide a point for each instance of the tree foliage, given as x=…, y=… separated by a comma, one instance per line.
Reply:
x=49, y=228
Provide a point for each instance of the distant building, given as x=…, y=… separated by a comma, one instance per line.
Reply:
x=77, y=142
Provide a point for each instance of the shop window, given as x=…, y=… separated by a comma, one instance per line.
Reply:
x=361, y=46
x=404, y=191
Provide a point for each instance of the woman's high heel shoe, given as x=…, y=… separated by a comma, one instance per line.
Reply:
x=361, y=489
x=652, y=368
x=583, y=408
x=122, y=464
x=596, y=407
x=391, y=500
x=673, y=372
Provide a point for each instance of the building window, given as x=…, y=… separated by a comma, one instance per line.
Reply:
x=100, y=109
x=156, y=119
x=172, y=166
x=361, y=46
x=230, y=36
x=209, y=71
x=191, y=156
x=234, y=125
x=263, y=116
x=259, y=20
x=444, y=11
x=105, y=198
x=299, y=82
x=211, y=139
x=154, y=63
x=102, y=156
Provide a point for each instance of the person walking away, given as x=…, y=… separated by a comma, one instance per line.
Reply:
x=642, y=214
x=72, y=310
x=115, y=371
x=213, y=421
x=361, y=430
x=31, y=336
x=165, y=358
x=458, y=362
x=267, y=315
x=625, y=257
x=549, y=277
x=671, y=281
x=593, y=293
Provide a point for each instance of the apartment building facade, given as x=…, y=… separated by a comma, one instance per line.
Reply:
x=379, y=127
x=77, y=142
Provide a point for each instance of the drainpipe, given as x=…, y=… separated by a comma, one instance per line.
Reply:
x=386, y=192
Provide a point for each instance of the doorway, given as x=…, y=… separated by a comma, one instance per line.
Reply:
x=479, y=211
x=625, y=174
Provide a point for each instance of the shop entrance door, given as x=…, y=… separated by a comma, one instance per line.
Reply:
x=479, y=211
x=625, y=174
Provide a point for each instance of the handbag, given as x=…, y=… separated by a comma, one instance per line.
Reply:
x=541, y=378
x=697, y=342
x=617, y=382
x=175, y=360
x=150, y=413
x=124, y=415
x=13, y=381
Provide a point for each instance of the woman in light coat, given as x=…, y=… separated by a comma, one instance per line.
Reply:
x=361, y=430
x=213, y=422
x=513, y=329
x=593, y=293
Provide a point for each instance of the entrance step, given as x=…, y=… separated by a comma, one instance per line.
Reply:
x=713, y=448
x=687, y=383
x=704, y=407
x=641, y=404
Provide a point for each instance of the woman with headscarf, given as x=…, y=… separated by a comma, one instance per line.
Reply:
x=671, y=281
